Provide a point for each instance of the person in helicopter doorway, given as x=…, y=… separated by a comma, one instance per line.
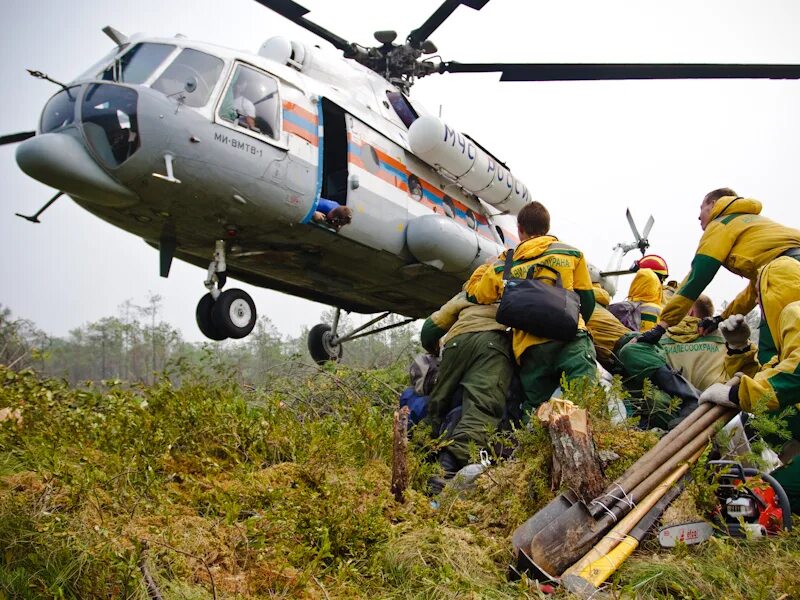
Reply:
x=543, y=361
x=332, y=214
x=469, y=398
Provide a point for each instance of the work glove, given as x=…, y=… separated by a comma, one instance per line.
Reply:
x=652, y=336
x=708, y=325
x=736, y=332
x=719, y=393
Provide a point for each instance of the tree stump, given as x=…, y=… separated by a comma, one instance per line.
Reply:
x=400, y=454
x=576, y=464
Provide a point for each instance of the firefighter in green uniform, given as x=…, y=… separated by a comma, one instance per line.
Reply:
x=543, y=361
x=735, y=236
x=682, y=361
x=777, y=382
x=476, y=359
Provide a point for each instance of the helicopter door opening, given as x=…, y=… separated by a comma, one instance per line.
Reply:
x=334, y=149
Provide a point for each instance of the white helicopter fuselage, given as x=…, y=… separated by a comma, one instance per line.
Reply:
x=147, y=143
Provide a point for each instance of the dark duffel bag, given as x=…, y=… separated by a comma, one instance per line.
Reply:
x=535, y=306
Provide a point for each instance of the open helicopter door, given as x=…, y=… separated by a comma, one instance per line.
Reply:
x=359, y=172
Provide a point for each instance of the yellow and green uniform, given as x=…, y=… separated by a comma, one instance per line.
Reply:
x=544, y=250
x=701, y=359
x=646, y=289
x=459, y=315
x=542, y=361
x=606, y=332
x=601, y=297
x=476, y=358
x=777, y=382
x=739, y=239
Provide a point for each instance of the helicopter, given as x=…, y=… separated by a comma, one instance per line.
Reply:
x=142, y=141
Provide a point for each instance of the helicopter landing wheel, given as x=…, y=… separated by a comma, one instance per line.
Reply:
x=205, y=321
x=234, y=312
x=322, y=345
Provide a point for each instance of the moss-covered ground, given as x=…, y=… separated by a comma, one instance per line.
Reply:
x=224, y=491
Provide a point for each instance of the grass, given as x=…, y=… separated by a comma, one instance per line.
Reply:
x=283, y=492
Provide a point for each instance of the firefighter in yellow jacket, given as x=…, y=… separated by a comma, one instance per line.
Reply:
x=777, y=382
x=735, y=236
x=543, y=361
x=646, y=290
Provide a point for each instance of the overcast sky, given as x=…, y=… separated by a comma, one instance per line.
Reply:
x=587, y=150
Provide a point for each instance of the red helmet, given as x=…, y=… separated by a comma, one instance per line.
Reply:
x=656, y=263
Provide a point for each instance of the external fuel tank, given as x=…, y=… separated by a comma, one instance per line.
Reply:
x=472, y=168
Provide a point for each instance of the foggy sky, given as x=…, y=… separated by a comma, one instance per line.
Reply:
x=587, y=150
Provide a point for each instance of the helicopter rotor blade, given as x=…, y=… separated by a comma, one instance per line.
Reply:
x=423, y=32
x=648, y=226
x=16, y=137
x=592, y=72
x=633, y=225
x=295, y=13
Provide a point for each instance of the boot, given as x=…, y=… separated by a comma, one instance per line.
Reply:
x=450, y=466
x=676, y=385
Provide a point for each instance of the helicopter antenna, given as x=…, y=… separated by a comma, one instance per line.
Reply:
x=40, y=75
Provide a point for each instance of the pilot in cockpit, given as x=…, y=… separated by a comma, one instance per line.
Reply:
x=245, y=110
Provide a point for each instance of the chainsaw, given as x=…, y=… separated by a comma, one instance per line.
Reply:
x=750, y=504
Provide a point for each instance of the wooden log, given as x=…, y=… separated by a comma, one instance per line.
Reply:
x=400, y=454
x=576, y=464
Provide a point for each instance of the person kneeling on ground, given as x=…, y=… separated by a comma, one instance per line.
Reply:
x=475, y=365
x=777, y=382
x=422, y=375
x=543, y=361
x=680, y=364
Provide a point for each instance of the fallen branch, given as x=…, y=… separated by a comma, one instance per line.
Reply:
x=210, y=576
x=152, y=589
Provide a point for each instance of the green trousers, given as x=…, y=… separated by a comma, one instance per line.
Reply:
x=789, y=477
x=640, y=361
x=542, y=365
x=481, y=364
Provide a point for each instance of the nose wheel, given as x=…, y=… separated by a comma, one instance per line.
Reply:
x=229, y=314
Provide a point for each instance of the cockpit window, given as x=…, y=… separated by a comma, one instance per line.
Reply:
x=252, y=102
x=402, y=107
x=97, y=69
x=192, y=76
x=110, y=122
x=136, y=65
x=60, y=110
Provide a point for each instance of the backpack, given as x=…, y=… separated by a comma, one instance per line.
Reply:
x=422, y=373
x=628, y=313
x=530, y=304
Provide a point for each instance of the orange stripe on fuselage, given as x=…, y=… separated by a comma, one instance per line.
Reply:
x=482, y=221
x=301, y=112
x=290, y=127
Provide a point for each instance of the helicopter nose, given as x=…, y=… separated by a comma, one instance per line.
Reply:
x=62, y=162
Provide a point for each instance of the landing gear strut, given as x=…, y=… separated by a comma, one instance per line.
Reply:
x=324, y=344
x=228, y=314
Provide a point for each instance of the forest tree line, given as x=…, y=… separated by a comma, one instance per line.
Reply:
x=136, y=345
